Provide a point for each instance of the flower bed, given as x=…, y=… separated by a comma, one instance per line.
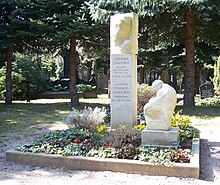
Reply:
x=76, y=142
x=88, y=141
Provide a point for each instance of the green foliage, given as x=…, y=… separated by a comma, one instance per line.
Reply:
x=180, y=121
x=65, y=142
x=2, y=82
x=75, y=142
x=25, y=66
x=187, y=131
x=83, y=88
x=164, y=156
x=144, y=93
x=41, y=70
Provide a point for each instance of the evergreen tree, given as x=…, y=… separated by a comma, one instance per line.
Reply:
x=167, y=23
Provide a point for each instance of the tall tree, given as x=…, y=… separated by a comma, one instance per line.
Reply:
x=47, y=25
x=7, y=42
x=189, y=60
x=17, y=33
x=66, y=24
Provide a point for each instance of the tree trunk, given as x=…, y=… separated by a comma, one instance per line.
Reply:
x=8, y=98
x=165, y=76
x=189, y=61
x=141, y=70
x=72, y=82
x=197, y=79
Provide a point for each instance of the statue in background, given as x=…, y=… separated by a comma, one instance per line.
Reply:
x=158, y=111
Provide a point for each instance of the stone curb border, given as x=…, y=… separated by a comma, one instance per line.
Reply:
x=115, y=165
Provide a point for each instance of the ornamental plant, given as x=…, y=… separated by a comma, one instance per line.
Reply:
x=144, y=94
x=208, y=102
x=86, y=119
x=180, y=121
x=187, y=131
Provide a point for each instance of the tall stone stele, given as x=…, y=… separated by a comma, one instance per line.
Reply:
x=123, y=69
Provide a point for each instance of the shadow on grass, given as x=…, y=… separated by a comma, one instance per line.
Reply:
x=204, y=112
x=26, y=117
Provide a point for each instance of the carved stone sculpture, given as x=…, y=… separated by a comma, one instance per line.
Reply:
x=122, y=36
x=158, y=111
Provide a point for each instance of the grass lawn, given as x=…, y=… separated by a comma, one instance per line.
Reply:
x=40, y=115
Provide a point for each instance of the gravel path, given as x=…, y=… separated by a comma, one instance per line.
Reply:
x=17, y=174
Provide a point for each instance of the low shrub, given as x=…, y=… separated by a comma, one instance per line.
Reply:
x=180, y=121
x=187, y=131
x=87, y=119
x=208, y=101
x=83, y=88
x=144, y=94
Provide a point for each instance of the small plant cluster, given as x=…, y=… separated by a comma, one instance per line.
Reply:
x=162, y=156
x=87, y=119
x=144, y=94
x=121, y=135
x=80, y=88
x=187, y=131
x=208, y=102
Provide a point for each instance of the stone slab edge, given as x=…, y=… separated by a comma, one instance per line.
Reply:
x=115, y=165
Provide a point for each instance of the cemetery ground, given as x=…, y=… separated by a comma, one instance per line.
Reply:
x=22, y=122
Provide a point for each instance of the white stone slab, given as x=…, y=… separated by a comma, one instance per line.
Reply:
x=123, y=90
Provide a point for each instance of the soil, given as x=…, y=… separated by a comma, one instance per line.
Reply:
x=18, y=174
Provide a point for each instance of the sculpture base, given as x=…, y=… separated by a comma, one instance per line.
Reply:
x=160, y=138
x=158, y=124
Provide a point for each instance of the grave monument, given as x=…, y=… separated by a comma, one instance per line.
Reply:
x=123, y=69
x=206, y=90
x=158, y=113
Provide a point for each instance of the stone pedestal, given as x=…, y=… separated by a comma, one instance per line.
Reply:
x=160, y=138
x=158, y=124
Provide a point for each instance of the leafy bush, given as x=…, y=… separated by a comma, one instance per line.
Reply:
x=187, y=131
x=83, y=88
x=2, y=82
x=23, y=66
x=121, y=135
x=180, y=121
x=87, y=119
x=144, y=93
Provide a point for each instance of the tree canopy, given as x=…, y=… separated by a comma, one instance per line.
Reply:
x=168, y=25
x=168, y=30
